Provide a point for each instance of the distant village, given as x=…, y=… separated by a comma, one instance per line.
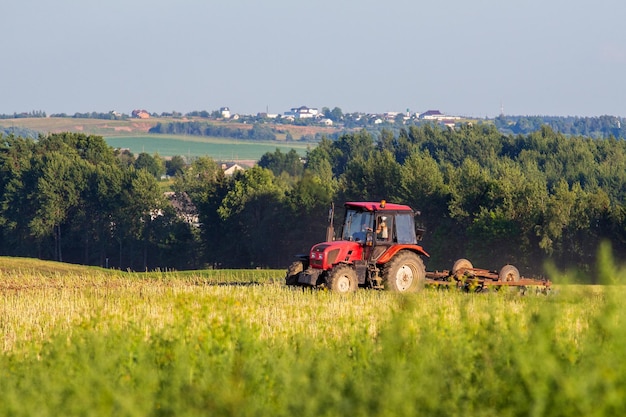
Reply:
x=595, y=126
x=603, y=126
x=314, y=115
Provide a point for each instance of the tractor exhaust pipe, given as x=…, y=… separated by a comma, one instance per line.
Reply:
x=330, y=230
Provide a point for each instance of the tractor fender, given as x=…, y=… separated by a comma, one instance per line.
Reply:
x=391, y=252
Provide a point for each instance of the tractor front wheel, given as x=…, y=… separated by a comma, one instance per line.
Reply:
x=405, y=272
x=343, y=279
x=294, y=270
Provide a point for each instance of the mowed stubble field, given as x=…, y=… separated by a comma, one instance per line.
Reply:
x=88, y=341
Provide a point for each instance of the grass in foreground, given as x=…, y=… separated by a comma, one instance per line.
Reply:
x=180, y=344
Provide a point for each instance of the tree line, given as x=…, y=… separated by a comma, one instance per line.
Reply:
x=257, y=132
x=70, y=197
x=489, y=197
x=595, y=127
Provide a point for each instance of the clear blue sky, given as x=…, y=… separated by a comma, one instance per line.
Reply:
x=533, y=57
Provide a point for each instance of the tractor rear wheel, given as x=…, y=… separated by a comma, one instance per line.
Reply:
x=461, y=264
x=343, y=279
x=405, y=272
x=509, y=273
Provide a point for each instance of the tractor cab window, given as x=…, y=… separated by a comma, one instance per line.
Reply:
x=356, y=225
x=405, y=228
x=383, y=227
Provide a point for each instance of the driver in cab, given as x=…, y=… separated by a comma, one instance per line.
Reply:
x=382, y=231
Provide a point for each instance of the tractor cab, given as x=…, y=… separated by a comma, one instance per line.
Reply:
x=374, y=224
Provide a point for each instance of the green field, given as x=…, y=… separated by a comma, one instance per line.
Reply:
x=88, y=341
x=132, y=134
x=219, y=149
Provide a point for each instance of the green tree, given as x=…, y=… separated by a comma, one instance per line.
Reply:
x=387, y=140
x=349, y=147
x=125, y=157
x=509, y=216
x=251, y=210
x=142, y=202
x=57, y=193
x=99, y=204
x=336, y=114
x=17, y=184
x=153, y=164
x=175, y=165
x=206, y=186
x=279, y=163
x=319, y=158
x=85, y=192
x=375, y=178
x=471, y=189
x=305, y=216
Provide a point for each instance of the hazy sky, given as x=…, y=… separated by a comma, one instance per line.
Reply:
x=532, y=57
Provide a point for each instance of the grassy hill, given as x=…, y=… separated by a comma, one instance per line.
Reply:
x=129, y=127
x=23, y=273
x=13, y=266
x=133, y=134
x=89, y=126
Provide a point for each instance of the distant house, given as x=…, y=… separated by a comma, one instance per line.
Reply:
x=225, y=112
x=140, y=114
x=268, y=115
x=432, y=115
x=390, y=116
x=303, y=112
x=184, y=208
x=230, y=168
x=437, y=115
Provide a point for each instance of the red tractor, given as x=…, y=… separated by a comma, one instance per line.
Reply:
x=378, y=248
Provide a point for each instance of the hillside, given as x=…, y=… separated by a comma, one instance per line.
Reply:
x=30, y=273
x=113, y=128
x=31, y=266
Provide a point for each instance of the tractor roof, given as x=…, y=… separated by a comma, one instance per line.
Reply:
x=377, y=206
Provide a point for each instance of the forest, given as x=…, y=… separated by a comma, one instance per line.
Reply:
x=483, y=195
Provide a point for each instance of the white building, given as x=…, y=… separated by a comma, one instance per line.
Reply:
x=437, y=115
x=302, y=112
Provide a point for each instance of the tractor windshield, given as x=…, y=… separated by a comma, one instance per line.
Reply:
x=356, y=225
